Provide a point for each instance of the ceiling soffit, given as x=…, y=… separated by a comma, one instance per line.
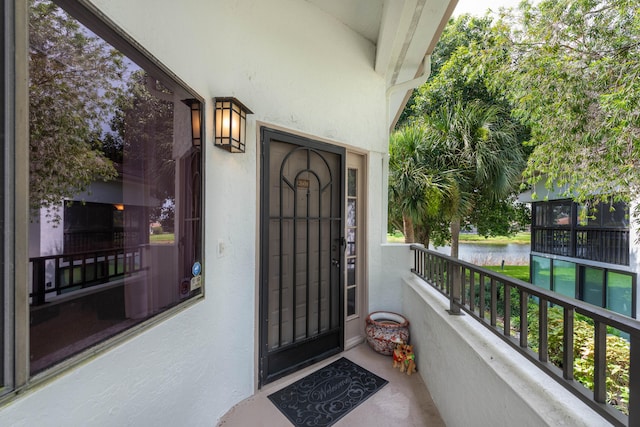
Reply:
x=362, y=16
x=402, y=31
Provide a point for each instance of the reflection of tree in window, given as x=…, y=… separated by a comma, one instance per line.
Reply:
x=142, y=139
x=610, y=215
x=562, y=214
x=71, y=74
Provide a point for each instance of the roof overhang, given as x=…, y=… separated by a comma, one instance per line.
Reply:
x=403, y=32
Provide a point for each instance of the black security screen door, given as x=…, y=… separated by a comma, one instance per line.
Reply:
x=301, y=310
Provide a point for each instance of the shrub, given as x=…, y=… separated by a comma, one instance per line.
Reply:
x=617, y=377
x=486, y=292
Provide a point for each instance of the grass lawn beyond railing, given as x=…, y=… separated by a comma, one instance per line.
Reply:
x=164, y=238
x=516, y=271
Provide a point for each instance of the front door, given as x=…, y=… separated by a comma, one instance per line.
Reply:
x=302, y=250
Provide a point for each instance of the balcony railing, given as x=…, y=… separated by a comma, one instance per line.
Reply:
x=481, y=293
x=595, y=244
x=74, y=271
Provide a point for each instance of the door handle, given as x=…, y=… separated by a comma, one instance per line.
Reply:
x=335, y=262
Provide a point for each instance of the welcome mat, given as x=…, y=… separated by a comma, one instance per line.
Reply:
x=326, y=395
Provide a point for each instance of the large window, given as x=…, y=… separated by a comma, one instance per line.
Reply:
x=603, y=287
x=114, y=186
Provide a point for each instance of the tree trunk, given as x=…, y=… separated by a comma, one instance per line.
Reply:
x=407, y=222
x=455, y=237
x=423, y=235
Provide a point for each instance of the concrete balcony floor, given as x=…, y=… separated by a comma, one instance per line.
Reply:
x=405, y=401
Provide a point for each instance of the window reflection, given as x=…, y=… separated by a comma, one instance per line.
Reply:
x=593, y=285
x=541, y=268
x=561, y=213
x=114, y=185
x=608, y=215
x=564, y=278
x=620, y=293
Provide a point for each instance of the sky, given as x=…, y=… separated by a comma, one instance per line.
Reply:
x=479, y=7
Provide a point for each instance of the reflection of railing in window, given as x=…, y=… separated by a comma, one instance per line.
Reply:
x=87, y=240
x=92, y=240
x=80, y=270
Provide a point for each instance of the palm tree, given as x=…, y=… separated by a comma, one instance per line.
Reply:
x=415, y=187
x=481, y=151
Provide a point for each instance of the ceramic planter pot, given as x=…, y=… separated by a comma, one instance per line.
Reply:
x=385, y=329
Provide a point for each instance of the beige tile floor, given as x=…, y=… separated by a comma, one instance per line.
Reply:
x=403, y=402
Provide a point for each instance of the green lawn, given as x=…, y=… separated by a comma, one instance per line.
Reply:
x=396, y=237
x=164, y=238
x=516, y=271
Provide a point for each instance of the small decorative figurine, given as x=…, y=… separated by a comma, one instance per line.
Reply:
x=404, y=358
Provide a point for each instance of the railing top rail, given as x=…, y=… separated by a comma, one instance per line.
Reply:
x=616, y=320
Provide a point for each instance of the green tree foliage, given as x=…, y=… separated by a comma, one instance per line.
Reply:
x=71, y=74
x=481, y=150
x=416, y=186
x=503, y=217
x=450, y=71
x=142, y=133
x=467, y=126
x=142, y=139
x=574, y=78
x=455, y=77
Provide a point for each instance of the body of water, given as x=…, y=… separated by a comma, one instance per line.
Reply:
x=489, y=254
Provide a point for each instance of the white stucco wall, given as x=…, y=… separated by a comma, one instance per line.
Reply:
x=386, y=289
x=299, y=69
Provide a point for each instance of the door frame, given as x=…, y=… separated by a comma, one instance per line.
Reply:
x=270, y=133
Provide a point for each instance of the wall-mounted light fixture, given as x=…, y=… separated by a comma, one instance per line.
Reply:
x=231, y=124
x=196, y=120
